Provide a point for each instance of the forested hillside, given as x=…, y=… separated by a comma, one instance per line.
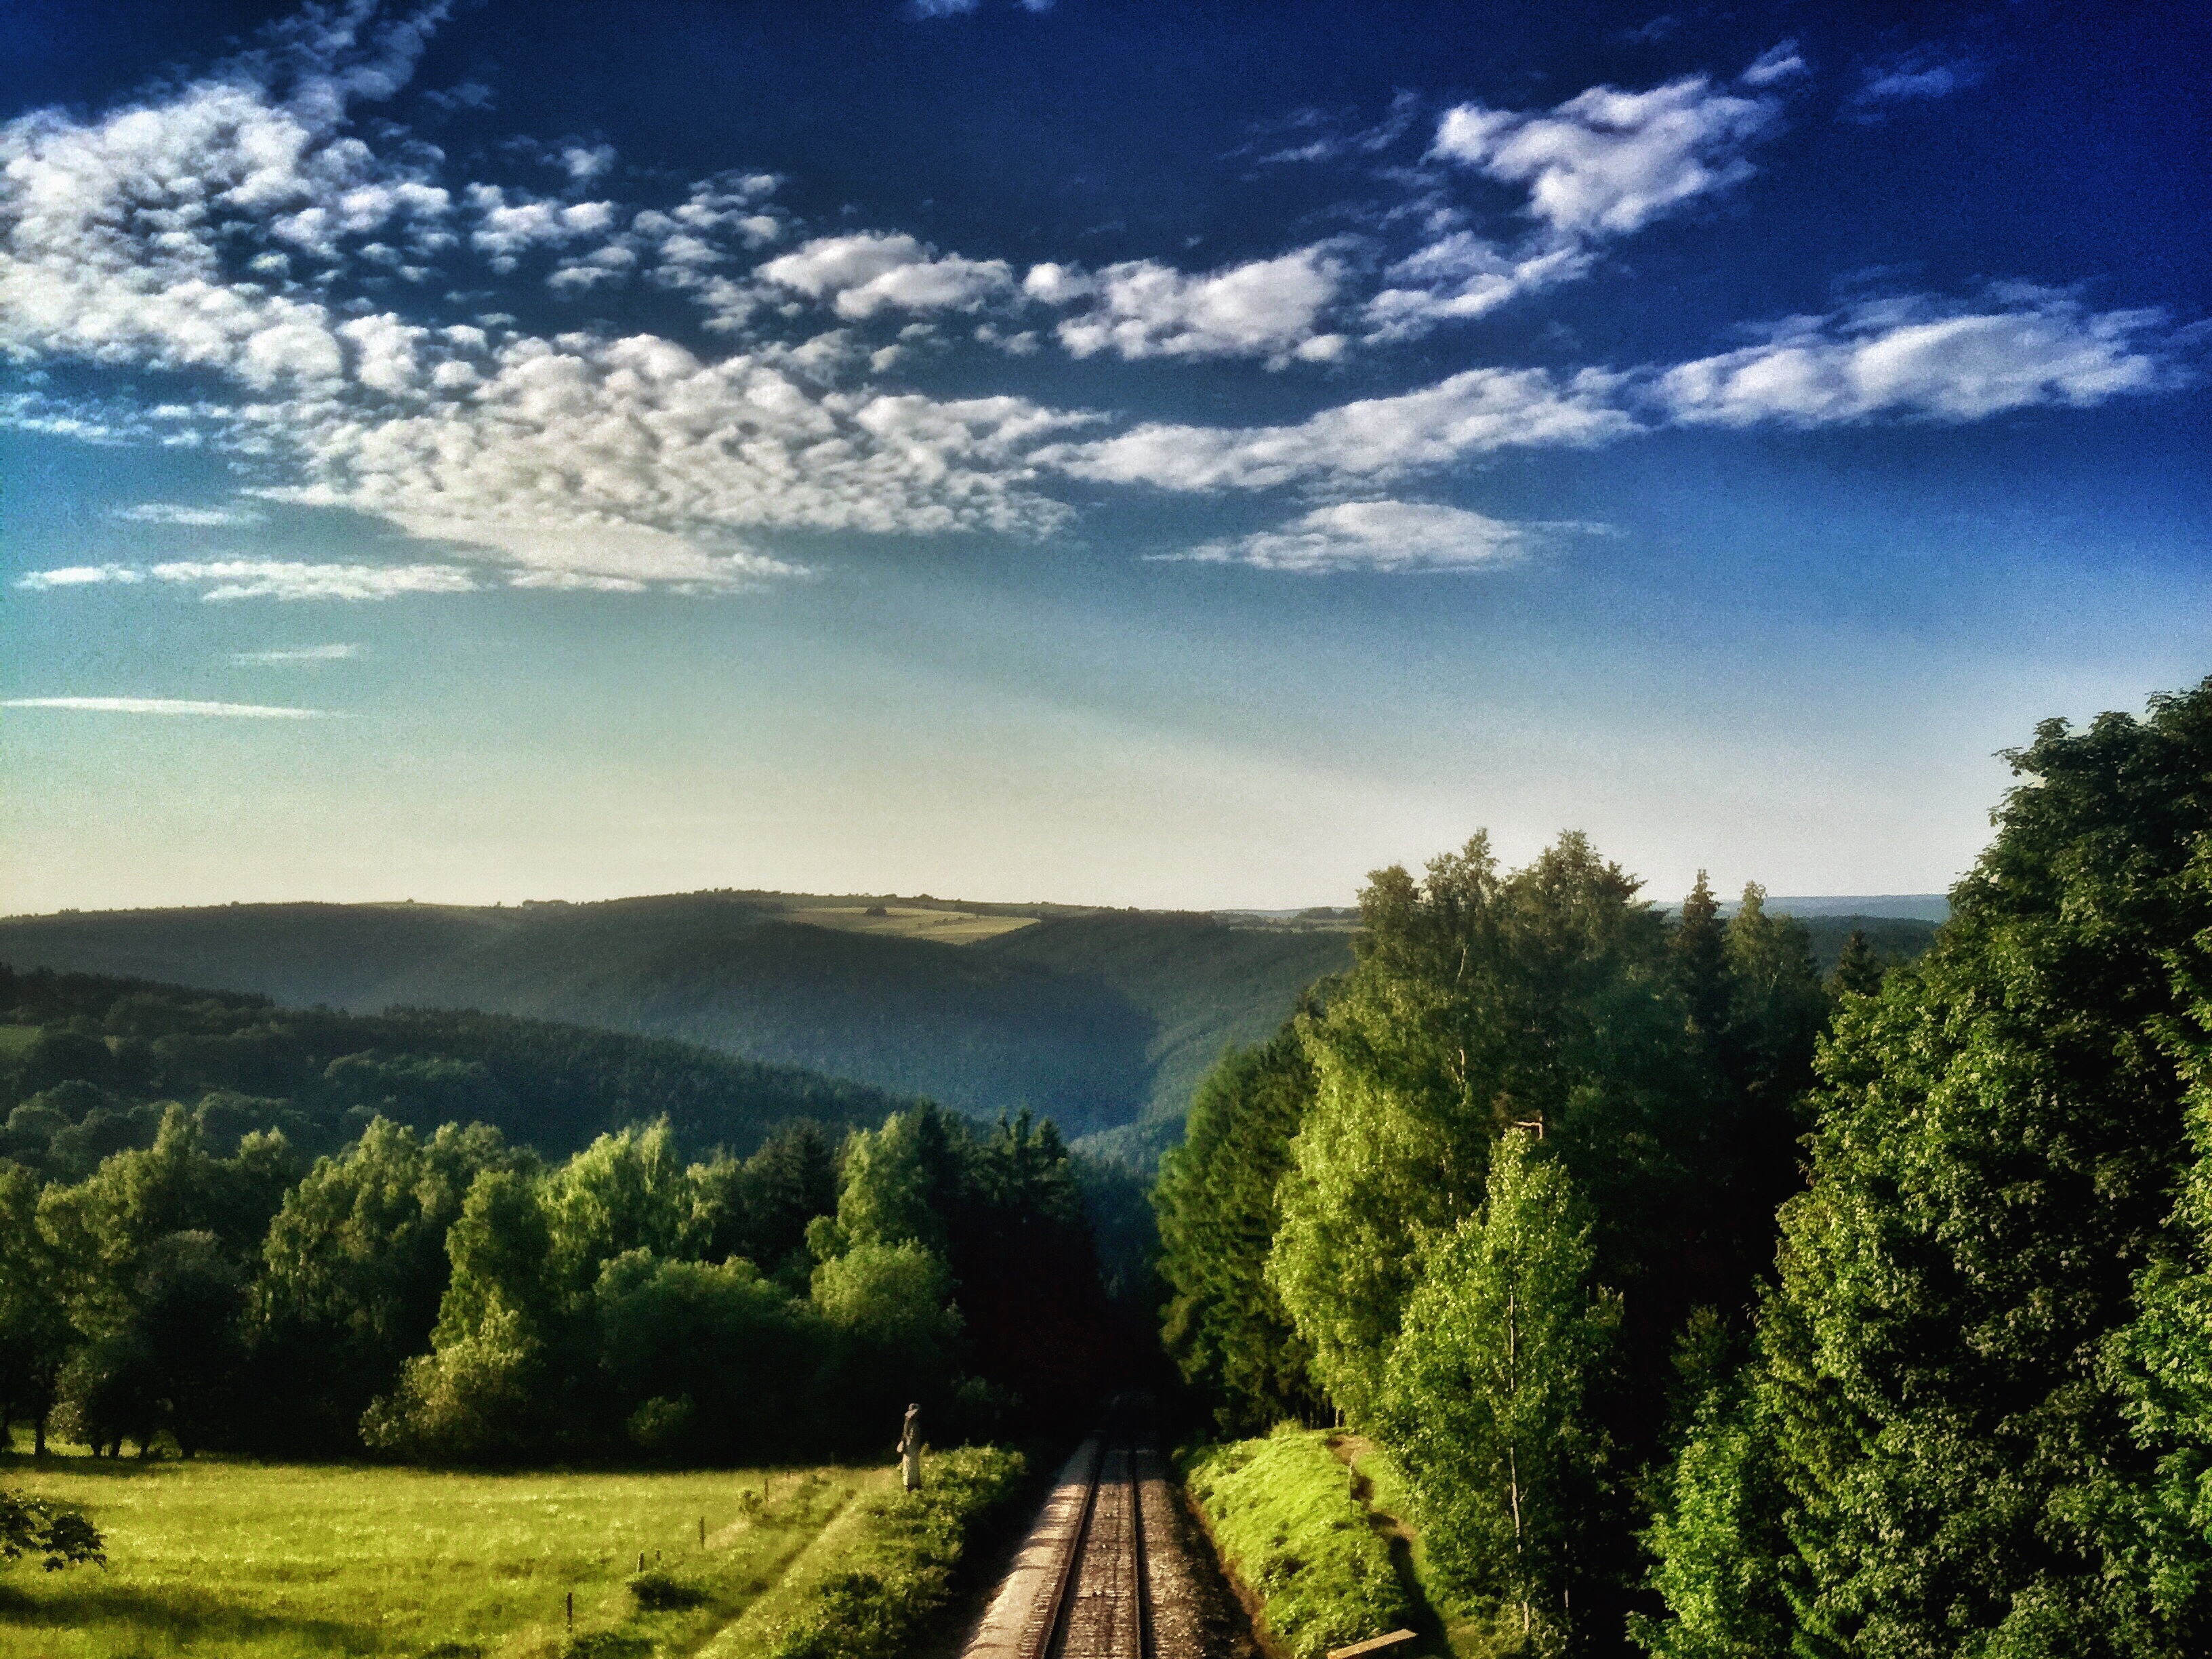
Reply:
x=87, y=1063
x=1098, y=1020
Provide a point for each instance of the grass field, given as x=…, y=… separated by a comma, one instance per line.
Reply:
x=1283, y=1515
x=273, y=1561
x=907, y=921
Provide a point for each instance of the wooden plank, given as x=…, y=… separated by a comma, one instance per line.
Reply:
x=1375, y=1645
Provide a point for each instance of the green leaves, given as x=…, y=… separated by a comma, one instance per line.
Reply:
x=1984, y=1380
x=30, y=1526
x=1225, y=1325
x=1485, y=1402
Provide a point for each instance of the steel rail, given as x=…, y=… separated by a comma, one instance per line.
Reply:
x=1036, y=1642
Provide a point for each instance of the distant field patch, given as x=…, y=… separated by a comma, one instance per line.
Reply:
x=903, y=922
x=280, y=1561
x=14, y=1039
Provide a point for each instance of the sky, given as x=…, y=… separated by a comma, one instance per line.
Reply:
x=1134, y=453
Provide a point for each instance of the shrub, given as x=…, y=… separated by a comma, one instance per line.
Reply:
x=656, y=1592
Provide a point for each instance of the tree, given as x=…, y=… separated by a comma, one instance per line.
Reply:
x=481, y=1393
x=2001, y=1131
x=1480, y=1002
x=1718, y=1541
x=354, y=1268
x=1858, y=970
x=1225, y=1325
x=1698, y=949
x=710, y=1360
x=2161, y=1361
x=35, y=1333
x=1485, y=1399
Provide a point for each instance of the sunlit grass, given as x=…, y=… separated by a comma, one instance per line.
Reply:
x=906, y=921
x=276, y=1560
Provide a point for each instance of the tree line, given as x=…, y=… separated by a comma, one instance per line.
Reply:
x=1715, y=1307
x=446, y=1294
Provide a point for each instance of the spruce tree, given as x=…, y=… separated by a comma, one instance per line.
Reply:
x=1225, y=1325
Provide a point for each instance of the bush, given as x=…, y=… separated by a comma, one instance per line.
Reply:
x=656, y=1592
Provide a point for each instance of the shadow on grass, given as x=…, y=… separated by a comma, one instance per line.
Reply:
x=1423, y=1618
x=84, y=1602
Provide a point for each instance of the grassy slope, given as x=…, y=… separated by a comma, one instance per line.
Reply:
x=275, y=1561
x=1282, y=1515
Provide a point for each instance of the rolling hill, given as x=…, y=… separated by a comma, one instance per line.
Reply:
x=1103, y=1020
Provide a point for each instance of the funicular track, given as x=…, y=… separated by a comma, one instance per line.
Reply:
x=1103, y=1573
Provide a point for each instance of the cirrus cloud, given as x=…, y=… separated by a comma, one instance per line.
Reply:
x=171, y=706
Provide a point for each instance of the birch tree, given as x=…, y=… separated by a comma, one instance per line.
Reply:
x=1485, y=1399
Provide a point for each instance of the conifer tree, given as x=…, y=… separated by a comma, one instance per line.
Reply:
x=1225, y=1325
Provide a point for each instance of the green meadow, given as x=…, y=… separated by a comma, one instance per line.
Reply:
x=277, y=1560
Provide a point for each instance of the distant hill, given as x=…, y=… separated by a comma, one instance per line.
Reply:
x=1097, y=1018
x=86, y=1060
x=1921, y=907
x=1103, y=1020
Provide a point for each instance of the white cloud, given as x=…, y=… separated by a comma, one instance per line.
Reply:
x=1477, y=412
x=1460, y=276
x=79, y=575
x=1608, y=162
x=861, y=275
x=288, y=656
x=1267, y=308
x=508, y=230
x=584, y=163
x=284, y=579
x=1911, y=358
x=250, y=711
x=1924, y=73
x=1386, y=536
x=113, y=233
x=636, y=460
x=576, y=460
x=201, y=518
x=1775, y=64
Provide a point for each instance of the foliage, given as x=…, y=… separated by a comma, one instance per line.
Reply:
x=1281, y=1511
x=61, y=1538
x=1485, y=1402
x=1225, y=1324
x=1977, y=1368
x=1718, y=1543
x=1482, y=1001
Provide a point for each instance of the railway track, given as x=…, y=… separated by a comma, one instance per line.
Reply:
x=1105, y=1572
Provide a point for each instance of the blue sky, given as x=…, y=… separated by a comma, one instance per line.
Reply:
x=1139, y=455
